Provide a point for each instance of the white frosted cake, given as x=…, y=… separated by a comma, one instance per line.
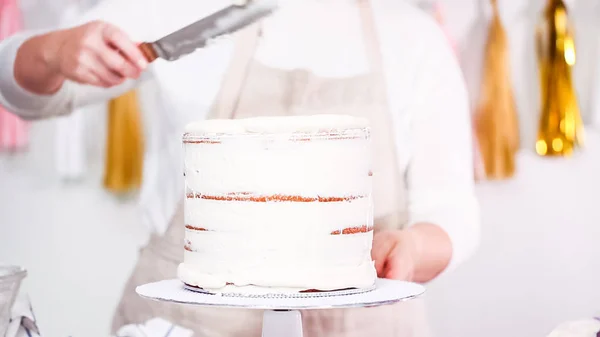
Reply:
x=278, y=204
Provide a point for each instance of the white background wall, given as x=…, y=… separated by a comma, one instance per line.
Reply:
x=537, y=266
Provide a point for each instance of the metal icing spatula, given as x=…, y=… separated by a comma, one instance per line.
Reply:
x=199, y=33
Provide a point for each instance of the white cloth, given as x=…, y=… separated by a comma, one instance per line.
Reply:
x=579, y=328
x=22, y=320
x=23, y=324
x=156, y=327
x=427, y=95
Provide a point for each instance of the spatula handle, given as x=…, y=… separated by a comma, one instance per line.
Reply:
x=148, y=50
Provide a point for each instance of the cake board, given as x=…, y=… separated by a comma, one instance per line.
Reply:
x=282, y=315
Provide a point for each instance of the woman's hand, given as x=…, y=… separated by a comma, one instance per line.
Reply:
x=418, y=253
x=96, y=53
x=395, y=254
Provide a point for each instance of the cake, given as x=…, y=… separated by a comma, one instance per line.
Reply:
x=278, y=205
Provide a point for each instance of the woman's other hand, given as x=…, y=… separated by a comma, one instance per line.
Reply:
x=418, y=253
x=95, y=53
x=395, y=254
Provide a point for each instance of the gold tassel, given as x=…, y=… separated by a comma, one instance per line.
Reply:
x=561, y=127
x=496, y=116
x=125, y=149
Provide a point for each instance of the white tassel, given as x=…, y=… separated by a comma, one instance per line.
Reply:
x=70, y=146
x=585, y=15
x=472, y=51
x=594, y=118
x=525, y=73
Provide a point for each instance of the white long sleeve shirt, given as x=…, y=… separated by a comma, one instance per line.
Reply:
x=427, y=96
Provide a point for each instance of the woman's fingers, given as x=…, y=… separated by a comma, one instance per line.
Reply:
x=98, y=54
x=117, y=63
x=117, y=39
x=382, y=247
x=82, y=71
x=106, y=75
x=85, y=76
x=394, y=269
x=91, y=79
x=91, y=68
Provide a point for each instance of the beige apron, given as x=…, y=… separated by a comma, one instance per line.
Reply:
x=252, y=89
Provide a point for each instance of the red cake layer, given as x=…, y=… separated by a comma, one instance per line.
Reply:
x=345, y=231
x=196, y=228
x=353, y=230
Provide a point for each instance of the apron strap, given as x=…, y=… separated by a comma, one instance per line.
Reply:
x=370, y=36
x=227, y=100
x=395, y=219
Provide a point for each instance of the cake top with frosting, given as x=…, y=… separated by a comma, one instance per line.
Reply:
x=274, y=125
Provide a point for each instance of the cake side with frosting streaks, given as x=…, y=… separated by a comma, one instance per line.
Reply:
x=278, y=203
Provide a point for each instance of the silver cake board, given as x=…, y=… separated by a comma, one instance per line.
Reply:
x=282, y=315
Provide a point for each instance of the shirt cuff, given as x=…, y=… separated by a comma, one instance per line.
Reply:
x=458, y=216
x=16, y=99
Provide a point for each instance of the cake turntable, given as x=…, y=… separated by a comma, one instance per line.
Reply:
x=282, y=315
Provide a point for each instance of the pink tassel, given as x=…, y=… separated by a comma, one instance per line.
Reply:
x=14, y=131
x=438, y=13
